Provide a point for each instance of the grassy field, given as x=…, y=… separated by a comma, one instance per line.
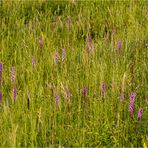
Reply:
x=73, y=73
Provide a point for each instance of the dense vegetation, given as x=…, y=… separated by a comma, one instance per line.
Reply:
x=73, y=73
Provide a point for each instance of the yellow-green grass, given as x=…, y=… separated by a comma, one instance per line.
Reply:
x=85, y=120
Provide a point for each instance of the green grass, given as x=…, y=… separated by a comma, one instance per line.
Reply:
x=84, y=121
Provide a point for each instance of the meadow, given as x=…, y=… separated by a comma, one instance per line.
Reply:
x=73, y=73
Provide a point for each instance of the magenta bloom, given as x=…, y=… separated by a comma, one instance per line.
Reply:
x=89, y=43
x=89, y=39
x=84, y=91
x=0, y=97
x=56, y=57
x=63, y=54
x=119, y=44
x=1, y=70
x=14, y=93
x=33, y=62
x=1, y=67
x=12, y=74
x=131, y=106
x=56, y=99
x=68, y=19
x=103, y=88
x=140, y=114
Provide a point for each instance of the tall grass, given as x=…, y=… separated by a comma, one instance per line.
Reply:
x=76, y=64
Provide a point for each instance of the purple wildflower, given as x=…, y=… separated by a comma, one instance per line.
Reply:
x=140, y=114
x=0, y=97
x=56, y=57
x=132, y=98
x=68, y=18
x=63, y=54
x=1, y=67
x=56, y=99
x=33, y=62
x=103, y=88
x=14, y=93
x=89, y=43
x=12, y=74
x=89, y=39
x=84, y=90
x=1, y=70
